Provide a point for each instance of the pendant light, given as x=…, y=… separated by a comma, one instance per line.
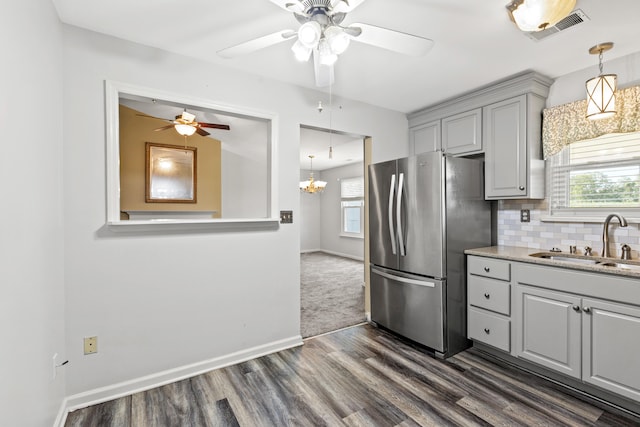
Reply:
x=601, y=97
x=311, y=185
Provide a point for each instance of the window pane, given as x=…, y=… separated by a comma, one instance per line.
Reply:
x=352, y=219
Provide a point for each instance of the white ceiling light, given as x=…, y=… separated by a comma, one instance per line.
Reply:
x=185, y=130
x=601, y=98
x=309, y=34
x=536, y=15
x=338, y=40
x=301, y=52
x=327, y=56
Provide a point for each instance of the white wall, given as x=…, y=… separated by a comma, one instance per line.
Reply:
x=31, y=229
x=161, y=301
x=309, y=216
x=331, y=214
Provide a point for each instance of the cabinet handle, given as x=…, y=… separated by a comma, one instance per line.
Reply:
x=487, y=269
x=521, y=188
x=576, y=308
x=587, y=310
x=487, y=296
x=487, y=331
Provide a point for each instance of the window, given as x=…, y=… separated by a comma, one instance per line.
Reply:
x=591, y=178
x=352, y=207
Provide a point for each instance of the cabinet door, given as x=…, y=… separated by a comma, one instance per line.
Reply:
x=611, y=347
x=425, y=138
x=549, y=329
x=504, y=135
x=461, y=134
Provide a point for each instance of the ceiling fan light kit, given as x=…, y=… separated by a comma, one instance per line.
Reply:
x=537, y=15
x=185, y=130
x=322, y=33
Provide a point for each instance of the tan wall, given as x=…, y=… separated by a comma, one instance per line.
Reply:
x=135, y=131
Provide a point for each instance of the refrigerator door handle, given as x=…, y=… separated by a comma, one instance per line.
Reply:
x=399, y=215
x=403, y=279
x=392, y=231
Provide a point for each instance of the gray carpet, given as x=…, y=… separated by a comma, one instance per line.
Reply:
x=332, y=293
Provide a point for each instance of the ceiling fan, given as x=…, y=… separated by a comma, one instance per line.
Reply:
x=322, y=34
x=186, y=125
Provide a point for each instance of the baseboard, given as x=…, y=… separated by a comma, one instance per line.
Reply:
x=104, y=394
x=61, y=418
x=335, y=253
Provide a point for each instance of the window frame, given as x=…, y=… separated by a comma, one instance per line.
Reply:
x=585, y=214
x=343, y=207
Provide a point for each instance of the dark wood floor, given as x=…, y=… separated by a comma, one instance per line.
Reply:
x=361, y=376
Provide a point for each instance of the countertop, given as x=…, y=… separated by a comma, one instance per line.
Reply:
x=513, y=253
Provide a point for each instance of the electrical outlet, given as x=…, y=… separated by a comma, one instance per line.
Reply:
x=525, y=215
x=55, y=365
x=90, y=345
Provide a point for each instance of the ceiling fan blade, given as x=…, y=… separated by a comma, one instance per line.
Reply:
x=323, y=73
x=164, y=127
x=214, y=126
x=392, y=40
x=201, y=131
x=256, y=44
x=345, y=5
x=290, y=5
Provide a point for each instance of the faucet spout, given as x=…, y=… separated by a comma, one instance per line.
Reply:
x=605, y=232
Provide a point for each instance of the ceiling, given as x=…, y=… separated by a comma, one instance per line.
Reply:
x=475, y=42
x=475, y=45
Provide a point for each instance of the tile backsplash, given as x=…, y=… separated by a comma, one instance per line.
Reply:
x=545, y=235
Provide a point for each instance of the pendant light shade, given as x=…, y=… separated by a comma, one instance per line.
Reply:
x=601, y=97
x=537, y=15
x=185, y=130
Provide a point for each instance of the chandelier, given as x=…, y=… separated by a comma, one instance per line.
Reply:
x=601, y=97
x=311, y=185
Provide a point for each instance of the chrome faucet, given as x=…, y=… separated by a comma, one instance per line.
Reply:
x=605, y=232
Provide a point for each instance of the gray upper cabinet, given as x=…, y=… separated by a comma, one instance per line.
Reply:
x=503, y=121
x=425, y=137
x=512, y=129
x=462, y=133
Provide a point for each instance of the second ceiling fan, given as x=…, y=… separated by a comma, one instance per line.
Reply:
x=322, y=35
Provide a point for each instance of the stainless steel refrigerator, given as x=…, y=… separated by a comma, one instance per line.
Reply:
x=424, y=211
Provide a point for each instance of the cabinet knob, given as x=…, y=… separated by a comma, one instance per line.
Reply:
x=487, y=296
x=521, y=188
x=587, y=310
x=487, y=269
x=576, y=308
x=487, y=331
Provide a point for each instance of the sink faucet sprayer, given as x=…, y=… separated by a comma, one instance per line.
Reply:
x=605, y=232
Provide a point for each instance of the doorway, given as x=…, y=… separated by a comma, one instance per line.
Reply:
x=333, y=230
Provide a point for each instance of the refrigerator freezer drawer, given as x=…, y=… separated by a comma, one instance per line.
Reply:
x=410, y=305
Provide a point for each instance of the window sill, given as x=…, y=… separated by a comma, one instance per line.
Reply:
x=351, y=236
x=189, y=225
x=587, y=219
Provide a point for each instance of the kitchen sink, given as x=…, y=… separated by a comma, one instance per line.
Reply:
x=563, y=258
x=624, y=265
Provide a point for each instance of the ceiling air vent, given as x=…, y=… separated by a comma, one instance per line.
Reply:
x=576, y=17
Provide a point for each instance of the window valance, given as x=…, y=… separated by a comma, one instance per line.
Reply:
x=567, y=123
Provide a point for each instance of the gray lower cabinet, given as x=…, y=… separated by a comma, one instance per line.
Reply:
x=611, y=347
x=590, y=339
x=548, y=331
x=489, y=302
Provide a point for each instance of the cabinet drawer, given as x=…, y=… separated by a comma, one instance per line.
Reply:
x=489, y=329
x=490, y=294
x=489, y=267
